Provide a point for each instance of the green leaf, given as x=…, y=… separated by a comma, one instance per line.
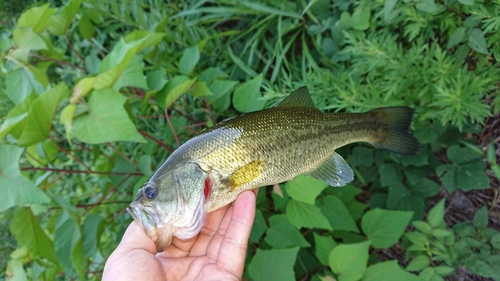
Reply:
x=26, y=40
x=200, y=89
x=275, y=264
x=436, y=214
x=361, y=156
x=398, y=197
x=282, y=234
x=360, y=19
x=337, y=214
x=418, y=263
x=66, y=237
x=456, y=37
x=444, y=270
x=495, y=241
x=28, y=232
x=422, y=226
x=348, y=261
x=305, y=215
x=21, y=83
x=66, y=118
x=390, y=174
x=189, y=59
x=467, y=2
x=91, y=233
x=247, y=97
x=10, y=123
x=78, y=259
x=40, y=115
x=174, y=88
x=481, y=218
x=86, y=28
x=323, y=246
x=60, y=23
x=389, y=12
x=388, y=271
x=384, y=227
x=477, y=41
x=106, y=121
x=428, y=6
x=304, y=188
x=132, y=76
x=16, y=189
x=221, y=100
x=37, y=18
x=259, y=227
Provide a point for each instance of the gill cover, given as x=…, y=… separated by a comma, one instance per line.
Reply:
x=171, y=204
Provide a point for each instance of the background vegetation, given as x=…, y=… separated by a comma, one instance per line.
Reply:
x=94, y=95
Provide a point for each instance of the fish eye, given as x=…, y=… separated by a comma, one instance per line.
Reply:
x=150, y=192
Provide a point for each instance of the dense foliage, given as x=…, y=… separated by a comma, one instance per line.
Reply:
x=94, y=95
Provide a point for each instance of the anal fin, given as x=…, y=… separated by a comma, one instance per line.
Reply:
x=334, y=171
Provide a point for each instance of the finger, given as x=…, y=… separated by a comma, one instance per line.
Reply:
x=212, y=224
x=232, y=251
x=214, y=245
x=135, y=238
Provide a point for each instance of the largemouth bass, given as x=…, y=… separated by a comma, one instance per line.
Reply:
x=257, y=149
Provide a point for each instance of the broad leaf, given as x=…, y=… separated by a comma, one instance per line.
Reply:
x=323, y=246
x=259, y=226
x=174, y=88
x=337, y=214
x=132, y=76
x=388, y=271
x=21, y=83
x=348, y=261
x=106, y=121
x=189, y=59
x=305, y=215
x=16, y=189
x=436, y=214
x=37, y=18
x=28, y=232
x=384, y=227
x=282, y=234
x=275, y=264
x=247, y=97
x=40, y=115
x=477, y=41
x=60, y=23
x=304, y=188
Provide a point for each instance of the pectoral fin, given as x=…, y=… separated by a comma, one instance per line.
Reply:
x=334, y=171
x=244, y=175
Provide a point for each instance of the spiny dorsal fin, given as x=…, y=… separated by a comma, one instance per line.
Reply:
x=299, y=97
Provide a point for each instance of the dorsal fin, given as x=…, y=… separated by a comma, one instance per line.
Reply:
x=299, y=97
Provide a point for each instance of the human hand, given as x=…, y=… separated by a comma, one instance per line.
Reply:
x=216, y=253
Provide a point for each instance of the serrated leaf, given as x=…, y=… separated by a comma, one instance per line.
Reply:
x=385, y=227
x=337, y=214
x=275, y=264
x=436, y=214
x=388, y=271
x=304, y=215
x=189, y=59
x=28, y=232
x=106, y=121
x=323, y=246
x=40, y=115
x=282, y=234
x=16, y=189
x=304, y=188
x=174, y=88
x=348, y=261
x=247, y=97
x=477, y=41
x=481, y=218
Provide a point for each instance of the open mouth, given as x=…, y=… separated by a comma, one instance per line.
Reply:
x=147, y=219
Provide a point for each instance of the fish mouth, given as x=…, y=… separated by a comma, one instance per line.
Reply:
x=161, y=235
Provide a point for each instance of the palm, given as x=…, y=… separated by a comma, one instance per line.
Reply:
x=218, y=252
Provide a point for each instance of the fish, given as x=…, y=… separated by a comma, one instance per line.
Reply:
x=258, y=149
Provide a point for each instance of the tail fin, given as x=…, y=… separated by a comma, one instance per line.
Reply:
x=399, y=139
